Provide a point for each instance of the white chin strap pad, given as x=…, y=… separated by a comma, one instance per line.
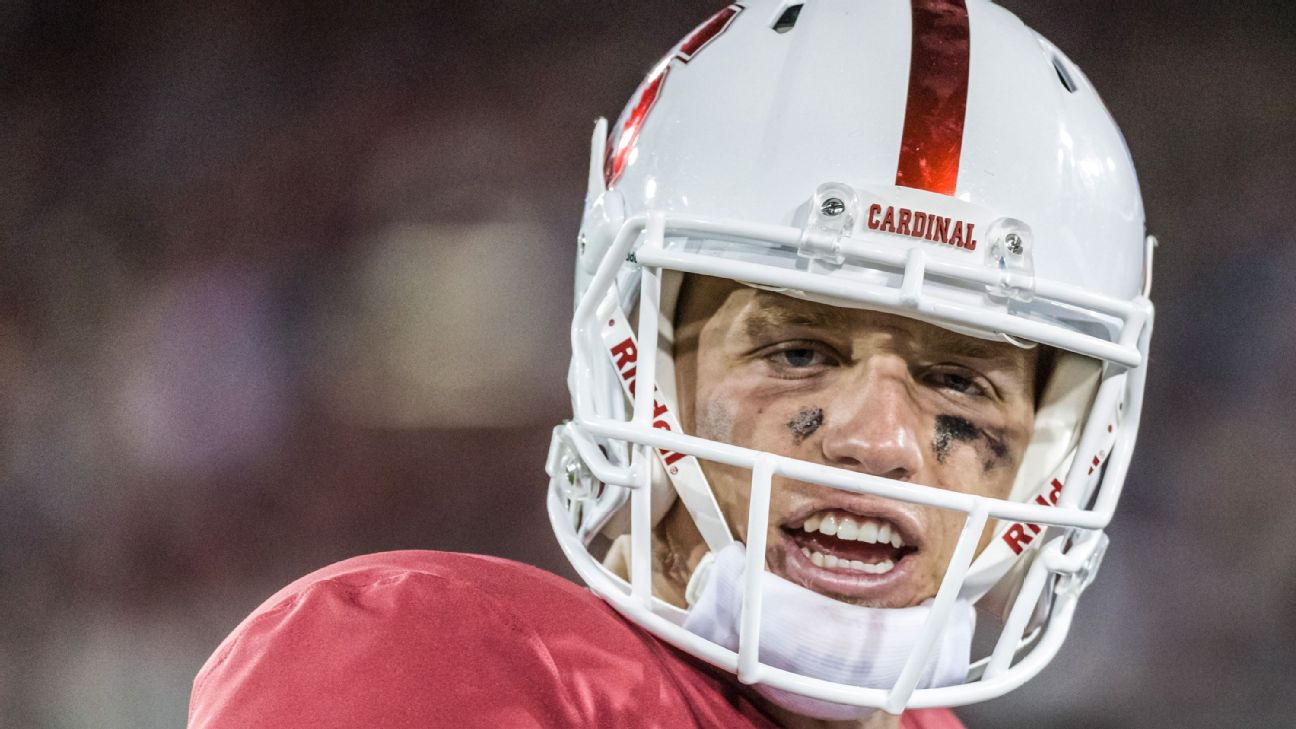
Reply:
x=809, y=634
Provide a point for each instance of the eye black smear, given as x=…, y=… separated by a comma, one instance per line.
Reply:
x=951, y=428
x=805, y=424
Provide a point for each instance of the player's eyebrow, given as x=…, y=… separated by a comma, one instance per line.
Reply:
x=774, y=315
x=960, y=345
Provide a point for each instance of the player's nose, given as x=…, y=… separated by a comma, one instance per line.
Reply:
x=873, y=425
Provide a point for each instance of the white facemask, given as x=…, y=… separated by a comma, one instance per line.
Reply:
x=807, y=633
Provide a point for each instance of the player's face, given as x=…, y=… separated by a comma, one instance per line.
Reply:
x=860, y=390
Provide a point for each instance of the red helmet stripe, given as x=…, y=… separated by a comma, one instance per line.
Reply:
x=705, y=33
x=938, y=83
x=622, y=140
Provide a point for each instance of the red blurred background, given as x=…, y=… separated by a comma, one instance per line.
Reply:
x=283, y=285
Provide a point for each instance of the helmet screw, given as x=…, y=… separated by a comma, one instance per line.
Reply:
x=1014, y=243
x=832, y=207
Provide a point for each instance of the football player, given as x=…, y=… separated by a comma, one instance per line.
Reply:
x=858, y=354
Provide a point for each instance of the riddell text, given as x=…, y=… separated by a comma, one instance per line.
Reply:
x=1019, y=535
x=626, y=355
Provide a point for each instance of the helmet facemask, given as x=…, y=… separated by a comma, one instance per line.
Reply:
x=1023, y=593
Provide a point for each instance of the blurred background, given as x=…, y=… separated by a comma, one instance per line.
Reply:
x=281, y=285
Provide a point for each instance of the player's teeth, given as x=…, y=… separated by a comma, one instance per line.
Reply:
x=828, y=525
x=847, y=529
x=868, y=532
x=830, y=561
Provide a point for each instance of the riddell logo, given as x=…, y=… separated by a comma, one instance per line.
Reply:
x=922, y=225
x=626, y=355
x=1019, y=535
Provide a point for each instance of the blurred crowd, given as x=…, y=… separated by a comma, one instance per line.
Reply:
x=280, y=285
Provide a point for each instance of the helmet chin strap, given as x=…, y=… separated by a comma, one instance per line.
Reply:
x=812, y=635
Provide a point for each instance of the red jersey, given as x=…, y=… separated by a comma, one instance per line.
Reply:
x=412, y=640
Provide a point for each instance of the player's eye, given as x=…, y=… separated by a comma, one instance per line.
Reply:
x=959, y=381
x=798, y=359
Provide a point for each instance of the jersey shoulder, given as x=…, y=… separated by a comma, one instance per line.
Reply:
x=420, y=638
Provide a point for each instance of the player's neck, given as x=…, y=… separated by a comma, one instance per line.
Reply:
x=677, y=548
x=673, y=563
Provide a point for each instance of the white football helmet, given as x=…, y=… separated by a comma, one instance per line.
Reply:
x=927, y=158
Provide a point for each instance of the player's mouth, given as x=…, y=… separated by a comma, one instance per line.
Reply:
x=860, y=557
